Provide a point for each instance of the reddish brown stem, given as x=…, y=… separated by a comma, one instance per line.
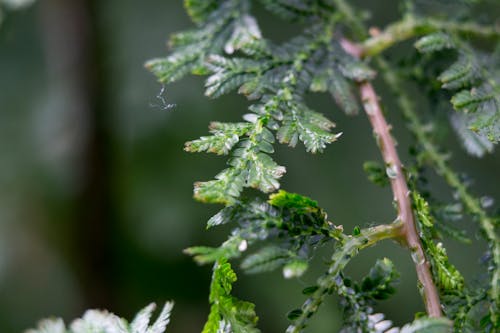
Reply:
x=382, y=132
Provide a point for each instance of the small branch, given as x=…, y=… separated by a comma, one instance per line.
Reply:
x=399, y=188
x=352, y=245
x=439, y=163
x=411, y=27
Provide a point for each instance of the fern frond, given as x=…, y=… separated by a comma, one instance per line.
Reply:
x=473, y=143
x=227, y=313
x=462, y=73
x=428, y=325
x=310, y=127
x=477, y=92
x=355, y=70
x=295, y=224
x=437, y=41
x=191, y=48
x=266, y=259
x=246, y=37
x=200, y=10
x=224, y=189
x=230, y=249
x=343, y=94
x=447, y=276
x=225, y=137
x=229, y=74
x=250, y=164
x=333, y=279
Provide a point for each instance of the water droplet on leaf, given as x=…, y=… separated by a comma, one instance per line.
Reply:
x=391, y=171
x=487, y=202
x=243, y=245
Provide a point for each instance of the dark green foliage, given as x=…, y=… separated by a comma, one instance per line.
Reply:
x=295, y=202
x=266, y=259
x=310, y=127
x=217, y=21
x=273, y=76
x=434, y=42
x=475, y=145
x=332, y=54
x=476, y=90
x=463, y=304
x=284, y=232
x=295, y=224
x=199, y=10
x=428, y=325
x=447, y=276
x=249, y=166
x=223, y=139
x=340, y=89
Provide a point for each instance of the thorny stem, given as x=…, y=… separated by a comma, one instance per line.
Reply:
x=350, y=247
x=400, y=190
x=411, y=26
x=401, y=196
x=394, y=166
x=439, y=162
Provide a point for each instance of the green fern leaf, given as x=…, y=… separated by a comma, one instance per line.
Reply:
x=448, y=278
x=190, y=49
x=356, y=70
x=206, y=255
x=428, y=325
x=227, y=313
x=331, y=80
x=296, y=202
x=473, y=143
x=229, y=74
x=480, y=103
x=469, y=100
x=460, y=74
x=266, y=259
x=343, y=95
x=310, y=127
x=263, y=173
x=246, y=36
x=486, y=122
x=434, y=42
x=224, y=189
x=199, y=10
x=224, y=138
x=295, y=223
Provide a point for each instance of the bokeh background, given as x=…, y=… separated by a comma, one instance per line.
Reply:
x=96, y=190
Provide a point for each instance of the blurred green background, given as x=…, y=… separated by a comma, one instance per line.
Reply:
x=96, y=190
